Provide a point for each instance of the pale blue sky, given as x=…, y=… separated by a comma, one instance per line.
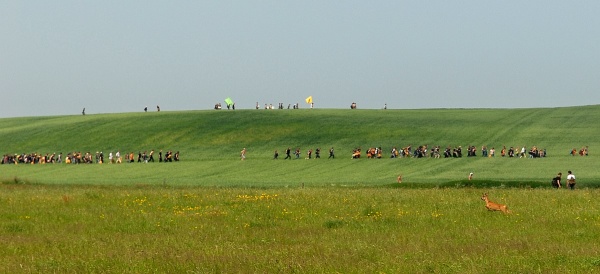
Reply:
x=57, y=57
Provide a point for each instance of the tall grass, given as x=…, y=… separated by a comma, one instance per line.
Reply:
x=74, y=229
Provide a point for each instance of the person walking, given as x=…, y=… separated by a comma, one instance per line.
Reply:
x=243, y=154
x=331, y=155
x=151, y=158
x=571, y=180
x=556, y=181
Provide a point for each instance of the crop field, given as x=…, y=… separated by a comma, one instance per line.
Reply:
x=211, y=212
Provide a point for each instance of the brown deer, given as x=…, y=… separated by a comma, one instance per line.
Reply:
x=491, y=206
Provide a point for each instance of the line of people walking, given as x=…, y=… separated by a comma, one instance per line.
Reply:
x=89, y=158
x=309, y=154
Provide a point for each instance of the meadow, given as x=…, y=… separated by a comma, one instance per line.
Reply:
x=212, y=212
x=148, y=229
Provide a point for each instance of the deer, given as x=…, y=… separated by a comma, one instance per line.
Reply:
x=491, y=206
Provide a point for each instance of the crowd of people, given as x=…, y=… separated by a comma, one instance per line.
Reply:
x=280, y=106
x=229, y=106
x=582, y=152
x=448, y=152
x=309, y=153
x=424, y=151
x=89, y=158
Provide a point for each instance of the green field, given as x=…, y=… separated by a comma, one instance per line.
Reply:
x=213, y=213
x=210, y=141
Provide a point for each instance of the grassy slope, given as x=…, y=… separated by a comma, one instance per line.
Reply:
x=210, y=141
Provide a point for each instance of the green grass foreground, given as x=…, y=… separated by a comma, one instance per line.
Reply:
x=148, y=229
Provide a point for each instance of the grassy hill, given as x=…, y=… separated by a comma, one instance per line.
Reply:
x=212, y=212
x=210, y=142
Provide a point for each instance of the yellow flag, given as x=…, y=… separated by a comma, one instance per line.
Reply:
x=309, y=100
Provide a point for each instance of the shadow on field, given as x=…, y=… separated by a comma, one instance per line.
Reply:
x=15, y=181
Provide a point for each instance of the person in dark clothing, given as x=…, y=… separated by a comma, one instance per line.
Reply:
x=287, y=153
x=556, y=181
x=151, y=158
x=331, y=155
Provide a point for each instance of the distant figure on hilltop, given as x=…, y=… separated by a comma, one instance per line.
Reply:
x=353, y=105
x=157, y=108
x=83, y=112
x=146, y=109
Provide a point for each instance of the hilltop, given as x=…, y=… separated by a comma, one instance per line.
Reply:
x=210, y=141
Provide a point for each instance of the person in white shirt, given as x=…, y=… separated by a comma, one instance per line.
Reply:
x=571, y=180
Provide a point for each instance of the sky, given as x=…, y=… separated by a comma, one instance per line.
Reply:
x=58, y=57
